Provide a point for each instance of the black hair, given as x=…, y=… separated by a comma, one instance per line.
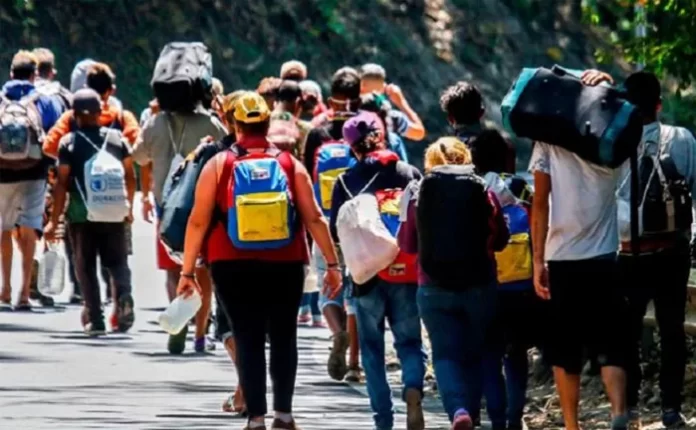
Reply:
x=489, y=152
x=378, y=104
x=346, y=84
x=463, y=103
x=289, y=92
x=100, y=78
x=643, y=90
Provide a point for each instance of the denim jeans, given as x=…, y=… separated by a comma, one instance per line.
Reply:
x=458, y=323
x=310, y=302
x=397, y=304
x=344, y=298
x=515, y=330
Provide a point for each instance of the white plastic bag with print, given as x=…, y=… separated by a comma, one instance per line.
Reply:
x=51, y=276
x=367, y=245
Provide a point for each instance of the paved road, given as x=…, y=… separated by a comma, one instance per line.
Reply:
x=52, y=376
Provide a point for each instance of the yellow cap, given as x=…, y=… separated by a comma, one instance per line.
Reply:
x=229, y=101
x=251, y=108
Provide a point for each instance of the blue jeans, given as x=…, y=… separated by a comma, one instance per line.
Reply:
x=344, y=299
x=310, y=302
x=458, y=323
x=396, y=303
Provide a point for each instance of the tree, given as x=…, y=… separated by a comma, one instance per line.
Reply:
x=658, y=33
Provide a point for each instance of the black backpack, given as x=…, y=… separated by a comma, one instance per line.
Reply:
x=183, y=77
x=554, y=106
x=453, y=213
x=664, y=198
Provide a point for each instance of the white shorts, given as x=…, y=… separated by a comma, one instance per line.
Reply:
x=22, y=204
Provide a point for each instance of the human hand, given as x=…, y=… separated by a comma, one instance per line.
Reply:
x=332, y=283
x=148, y=210
x=49, y=232
x=594, y=77
x=395, y=94
x=541, y=281
x=187, y=286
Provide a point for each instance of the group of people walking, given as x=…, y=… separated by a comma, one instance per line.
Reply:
x=292, y=184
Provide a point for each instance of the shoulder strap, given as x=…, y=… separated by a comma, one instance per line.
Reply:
x=171, y=134
x=667, y=163
x=345, y=188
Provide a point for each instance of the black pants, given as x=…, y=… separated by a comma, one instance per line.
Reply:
x=71, y=267
x=108, y=242
x=259, y=296
x=660, y=277
x=587, y=312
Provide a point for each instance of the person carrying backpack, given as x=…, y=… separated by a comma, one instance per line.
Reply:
x=95, y=166
x=326, y=156
x=463, y=104
x=517, y=323
x=253, y=204
x=25, y=116
x=378, y=103
x=46, y=82
x=372, y=189
x=287, y=131
x=456, y=226
x=660, y=273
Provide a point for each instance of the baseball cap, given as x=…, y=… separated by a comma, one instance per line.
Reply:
x=86, y=101
x=251, y=108
x=309, y=87
x=229, y=101
x=357, y=128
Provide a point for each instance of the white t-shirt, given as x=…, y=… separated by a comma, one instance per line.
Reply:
x=582, y=218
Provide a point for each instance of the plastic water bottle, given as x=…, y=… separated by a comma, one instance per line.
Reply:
x=179, y=313
x=51, y=273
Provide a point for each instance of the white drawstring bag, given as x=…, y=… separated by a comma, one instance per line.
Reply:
x=367, y=245
x=105, y=195
x=51, y=276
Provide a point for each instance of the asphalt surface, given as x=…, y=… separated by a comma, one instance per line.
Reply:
x=54, y=377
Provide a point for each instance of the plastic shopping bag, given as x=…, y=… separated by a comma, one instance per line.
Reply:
x=51, y=280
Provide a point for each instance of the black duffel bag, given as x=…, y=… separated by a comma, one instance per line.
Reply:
x=183, y=77
x=555, y=107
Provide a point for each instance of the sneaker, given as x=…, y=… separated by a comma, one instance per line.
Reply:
x=282, y=425
x=96, y=328
x=125, y=313
x=673, y=419
x=337, y=366
x=203, y=344
x=246, y=427
x=462, y=421
x=177, y=342
x=354, y=374
x=621, y=422
x=113, y=322
x=304, y=319
x=414, y=410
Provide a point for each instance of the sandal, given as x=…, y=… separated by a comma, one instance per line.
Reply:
x=5, y=306
x=23, y=306
x=228, y=406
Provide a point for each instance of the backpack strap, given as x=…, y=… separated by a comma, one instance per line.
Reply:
x=345, y=188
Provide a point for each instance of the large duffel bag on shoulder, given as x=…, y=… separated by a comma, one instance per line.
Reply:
x=183, y=76
x=555, y=107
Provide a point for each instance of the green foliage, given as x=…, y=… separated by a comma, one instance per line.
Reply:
x=669, y=45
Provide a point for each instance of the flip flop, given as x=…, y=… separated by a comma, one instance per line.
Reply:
x=23, y=307
x=228, y=406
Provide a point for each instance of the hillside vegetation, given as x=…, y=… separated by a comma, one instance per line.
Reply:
x=424, y=44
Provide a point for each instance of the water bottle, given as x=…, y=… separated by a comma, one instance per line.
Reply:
x=179, y=313
x=51, y=273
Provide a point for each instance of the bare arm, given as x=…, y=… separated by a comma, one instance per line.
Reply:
x=416, y=129
x=201, y=215
x=540, y=215
x=59, y=192
x=146, y=180
x=311, y=215
x=130, y=182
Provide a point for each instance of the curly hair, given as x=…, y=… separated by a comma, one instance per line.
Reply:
x=446, y=150
x=463, y=103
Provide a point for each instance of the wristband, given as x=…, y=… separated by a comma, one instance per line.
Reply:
x=187, y=275
x=332, y=266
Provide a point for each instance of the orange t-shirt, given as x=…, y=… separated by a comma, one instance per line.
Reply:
x=110, y=117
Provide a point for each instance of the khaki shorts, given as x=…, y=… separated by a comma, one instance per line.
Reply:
x=22, y=204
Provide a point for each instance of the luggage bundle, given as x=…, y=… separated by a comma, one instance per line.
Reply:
x=183, y=77
x=555, y=107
